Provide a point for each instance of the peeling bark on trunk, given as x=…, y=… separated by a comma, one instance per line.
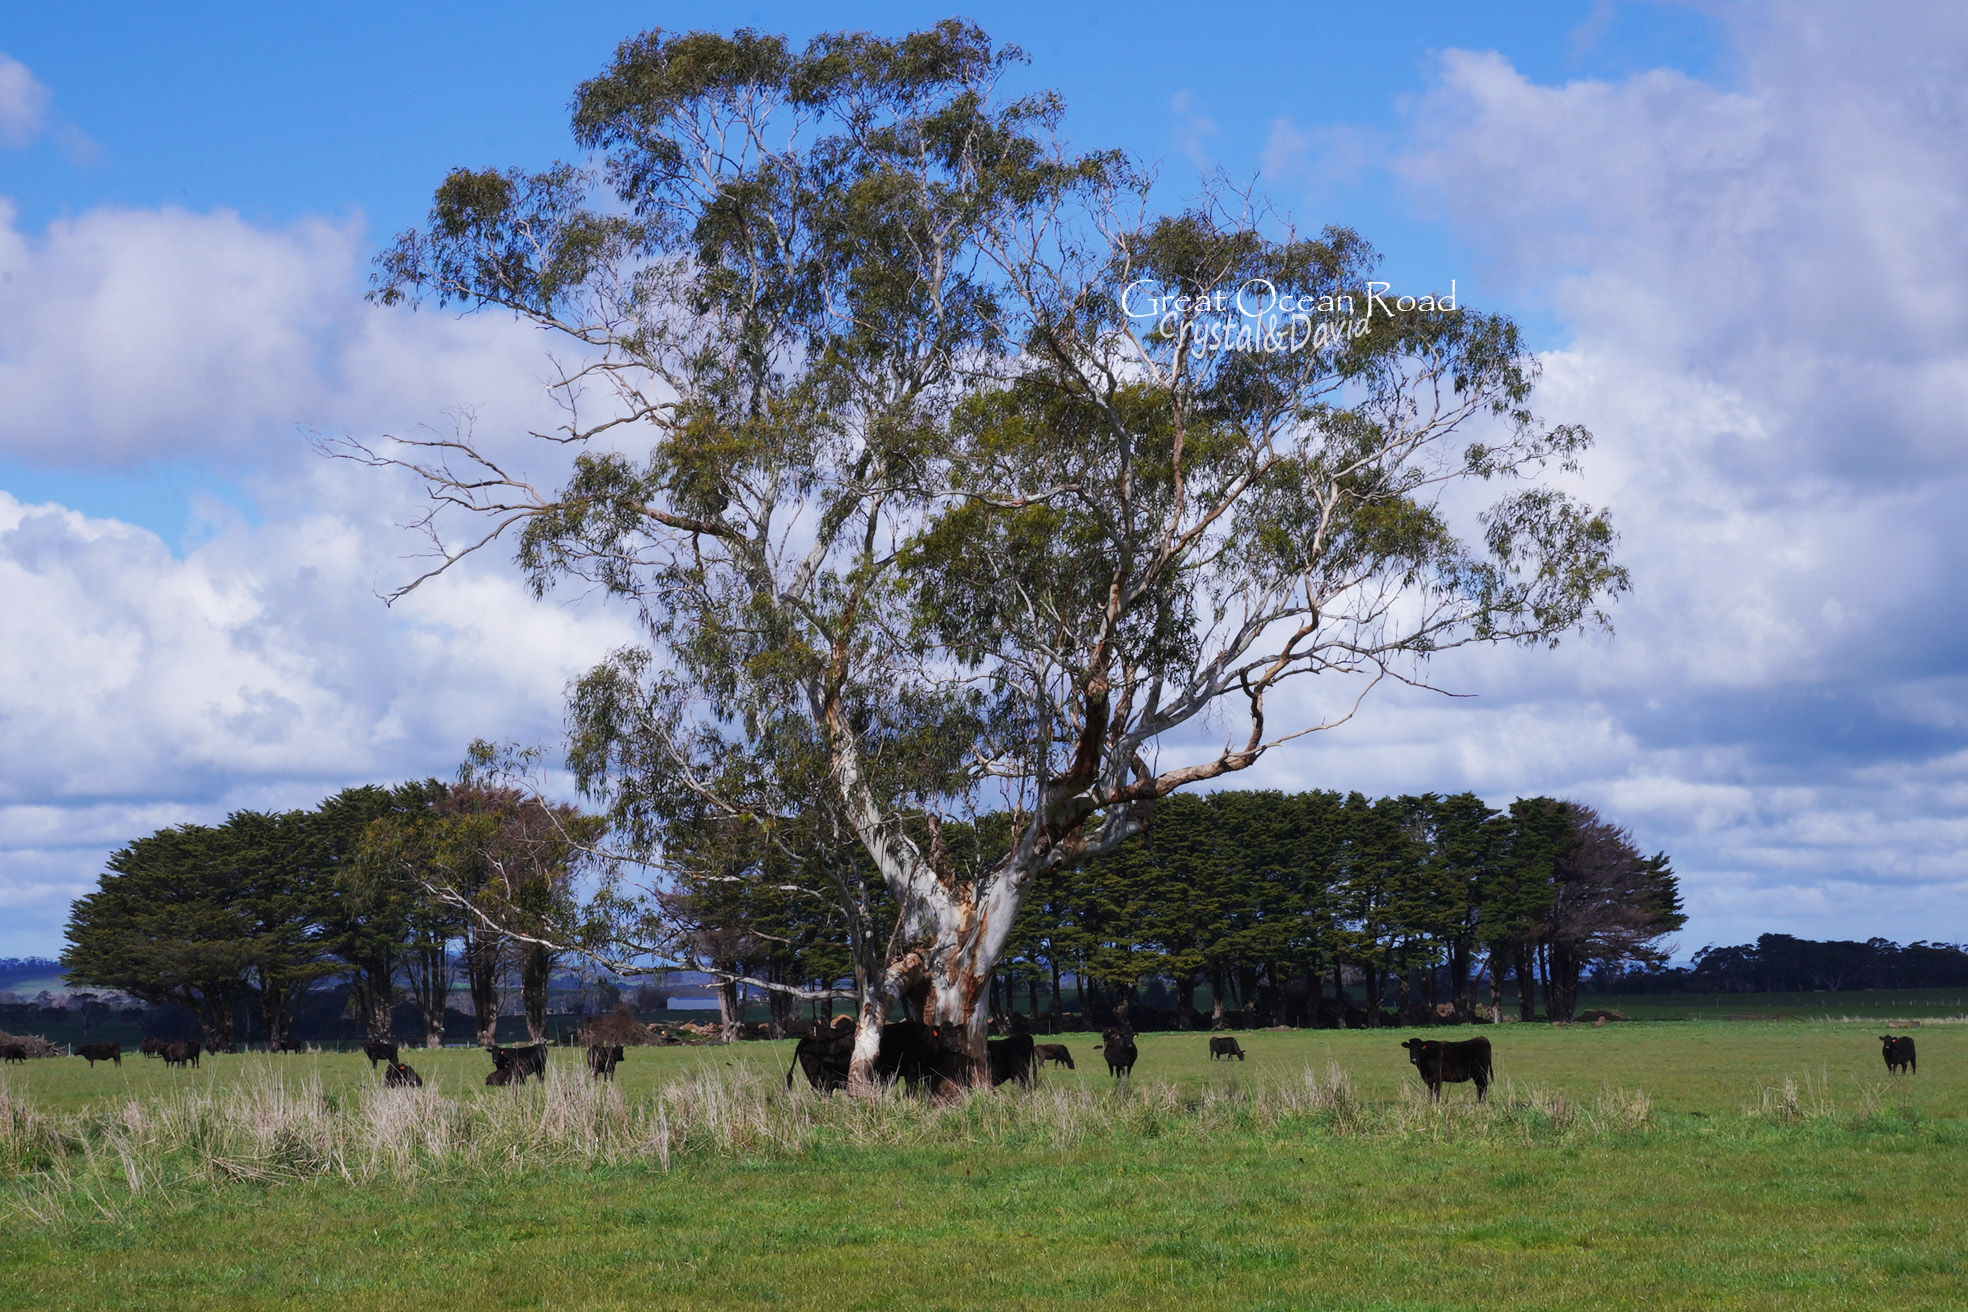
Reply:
x=729, y=1014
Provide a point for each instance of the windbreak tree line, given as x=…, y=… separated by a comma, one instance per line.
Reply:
x=1780, y=963
x=394, y=890
x=1278, y=904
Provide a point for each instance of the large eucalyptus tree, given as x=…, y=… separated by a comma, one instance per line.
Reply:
x=939, y=465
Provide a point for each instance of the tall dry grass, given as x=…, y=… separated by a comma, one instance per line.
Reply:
x=271, y=1130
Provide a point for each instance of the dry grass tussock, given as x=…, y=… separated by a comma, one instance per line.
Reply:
x=274, y=1130
x=1807, y=1099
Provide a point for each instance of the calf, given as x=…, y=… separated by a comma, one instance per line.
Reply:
x=1120, y=1051
x=1055, y=1053
x=379, y=1050
x=1898, y=1054
x=13, y=1052
x=602, y=1061
x=400, y=1074
x=500, y=1076
x=1451, y=1063
x=1226, y=1048
x=181, y=1053
x=96, y=1052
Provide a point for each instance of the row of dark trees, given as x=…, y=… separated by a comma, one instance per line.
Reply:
x=396, y=891
x=1779, y=963
x=1264, y=898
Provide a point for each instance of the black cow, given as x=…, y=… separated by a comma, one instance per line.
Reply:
x=1451, y=1063
x=1011, y=1059
x=1898, y=1054
x=96, y=1052
x=13, y=1052
x=526, y=1059
x=1226, y=1048
x=602, y=1061
x=292, y=1044
x=824, y=1057
x=181, y=1053
x=500, y=1076
x=910, y=1052
x=1120, y=1051
x=1055, y=1053
x=400, y=1074
x=379, y=1050
x=151, y=1046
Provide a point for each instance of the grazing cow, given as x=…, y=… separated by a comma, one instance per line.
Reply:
x=527, y=1059
x=1011, y=1059
x=1451, y=1063
x=379, y=1050
x=1120, y=1051
x=292, y=1044
x=1226, y=1048
x=1898, y=1054
x=13, y=1052
x=151, y=1046
x=181, y=1053
x=96, y=1052
x=602, y=1061
x=1055, y=1053
x=400, y=1074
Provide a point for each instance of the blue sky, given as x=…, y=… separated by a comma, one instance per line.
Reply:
x=1733, y=231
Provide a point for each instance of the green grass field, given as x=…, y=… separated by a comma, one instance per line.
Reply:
x=1770, y=1165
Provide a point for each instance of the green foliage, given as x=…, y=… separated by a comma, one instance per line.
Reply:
x=920, y=522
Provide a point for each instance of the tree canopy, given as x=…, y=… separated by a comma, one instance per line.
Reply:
x=919, y=517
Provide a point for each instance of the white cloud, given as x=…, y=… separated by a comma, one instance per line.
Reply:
x=145, y=683
x=1769, y=295
x=23, y=104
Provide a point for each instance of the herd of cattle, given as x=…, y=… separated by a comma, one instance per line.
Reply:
x=910, y=1053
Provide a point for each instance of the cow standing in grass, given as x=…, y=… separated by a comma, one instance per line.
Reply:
x=1011, y=1059
x=13, y=1052
x=1898, y=1053
x=181, y=1053
x=527, y=1059
x=1451, y=1063
x=379, y=1050
x=602, y=1061
x=1120, y=1051
x=96, y=1052
x=152, y=1046
x=1226, y=1048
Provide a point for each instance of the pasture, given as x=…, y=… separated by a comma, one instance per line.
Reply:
x=1698, y=1165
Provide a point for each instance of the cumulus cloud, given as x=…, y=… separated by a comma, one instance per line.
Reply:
x=139, y=688
x=1765, y=284
x=23, y=104
x=145, y=683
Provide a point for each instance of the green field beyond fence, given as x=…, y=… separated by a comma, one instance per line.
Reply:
x=1704, y=1164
